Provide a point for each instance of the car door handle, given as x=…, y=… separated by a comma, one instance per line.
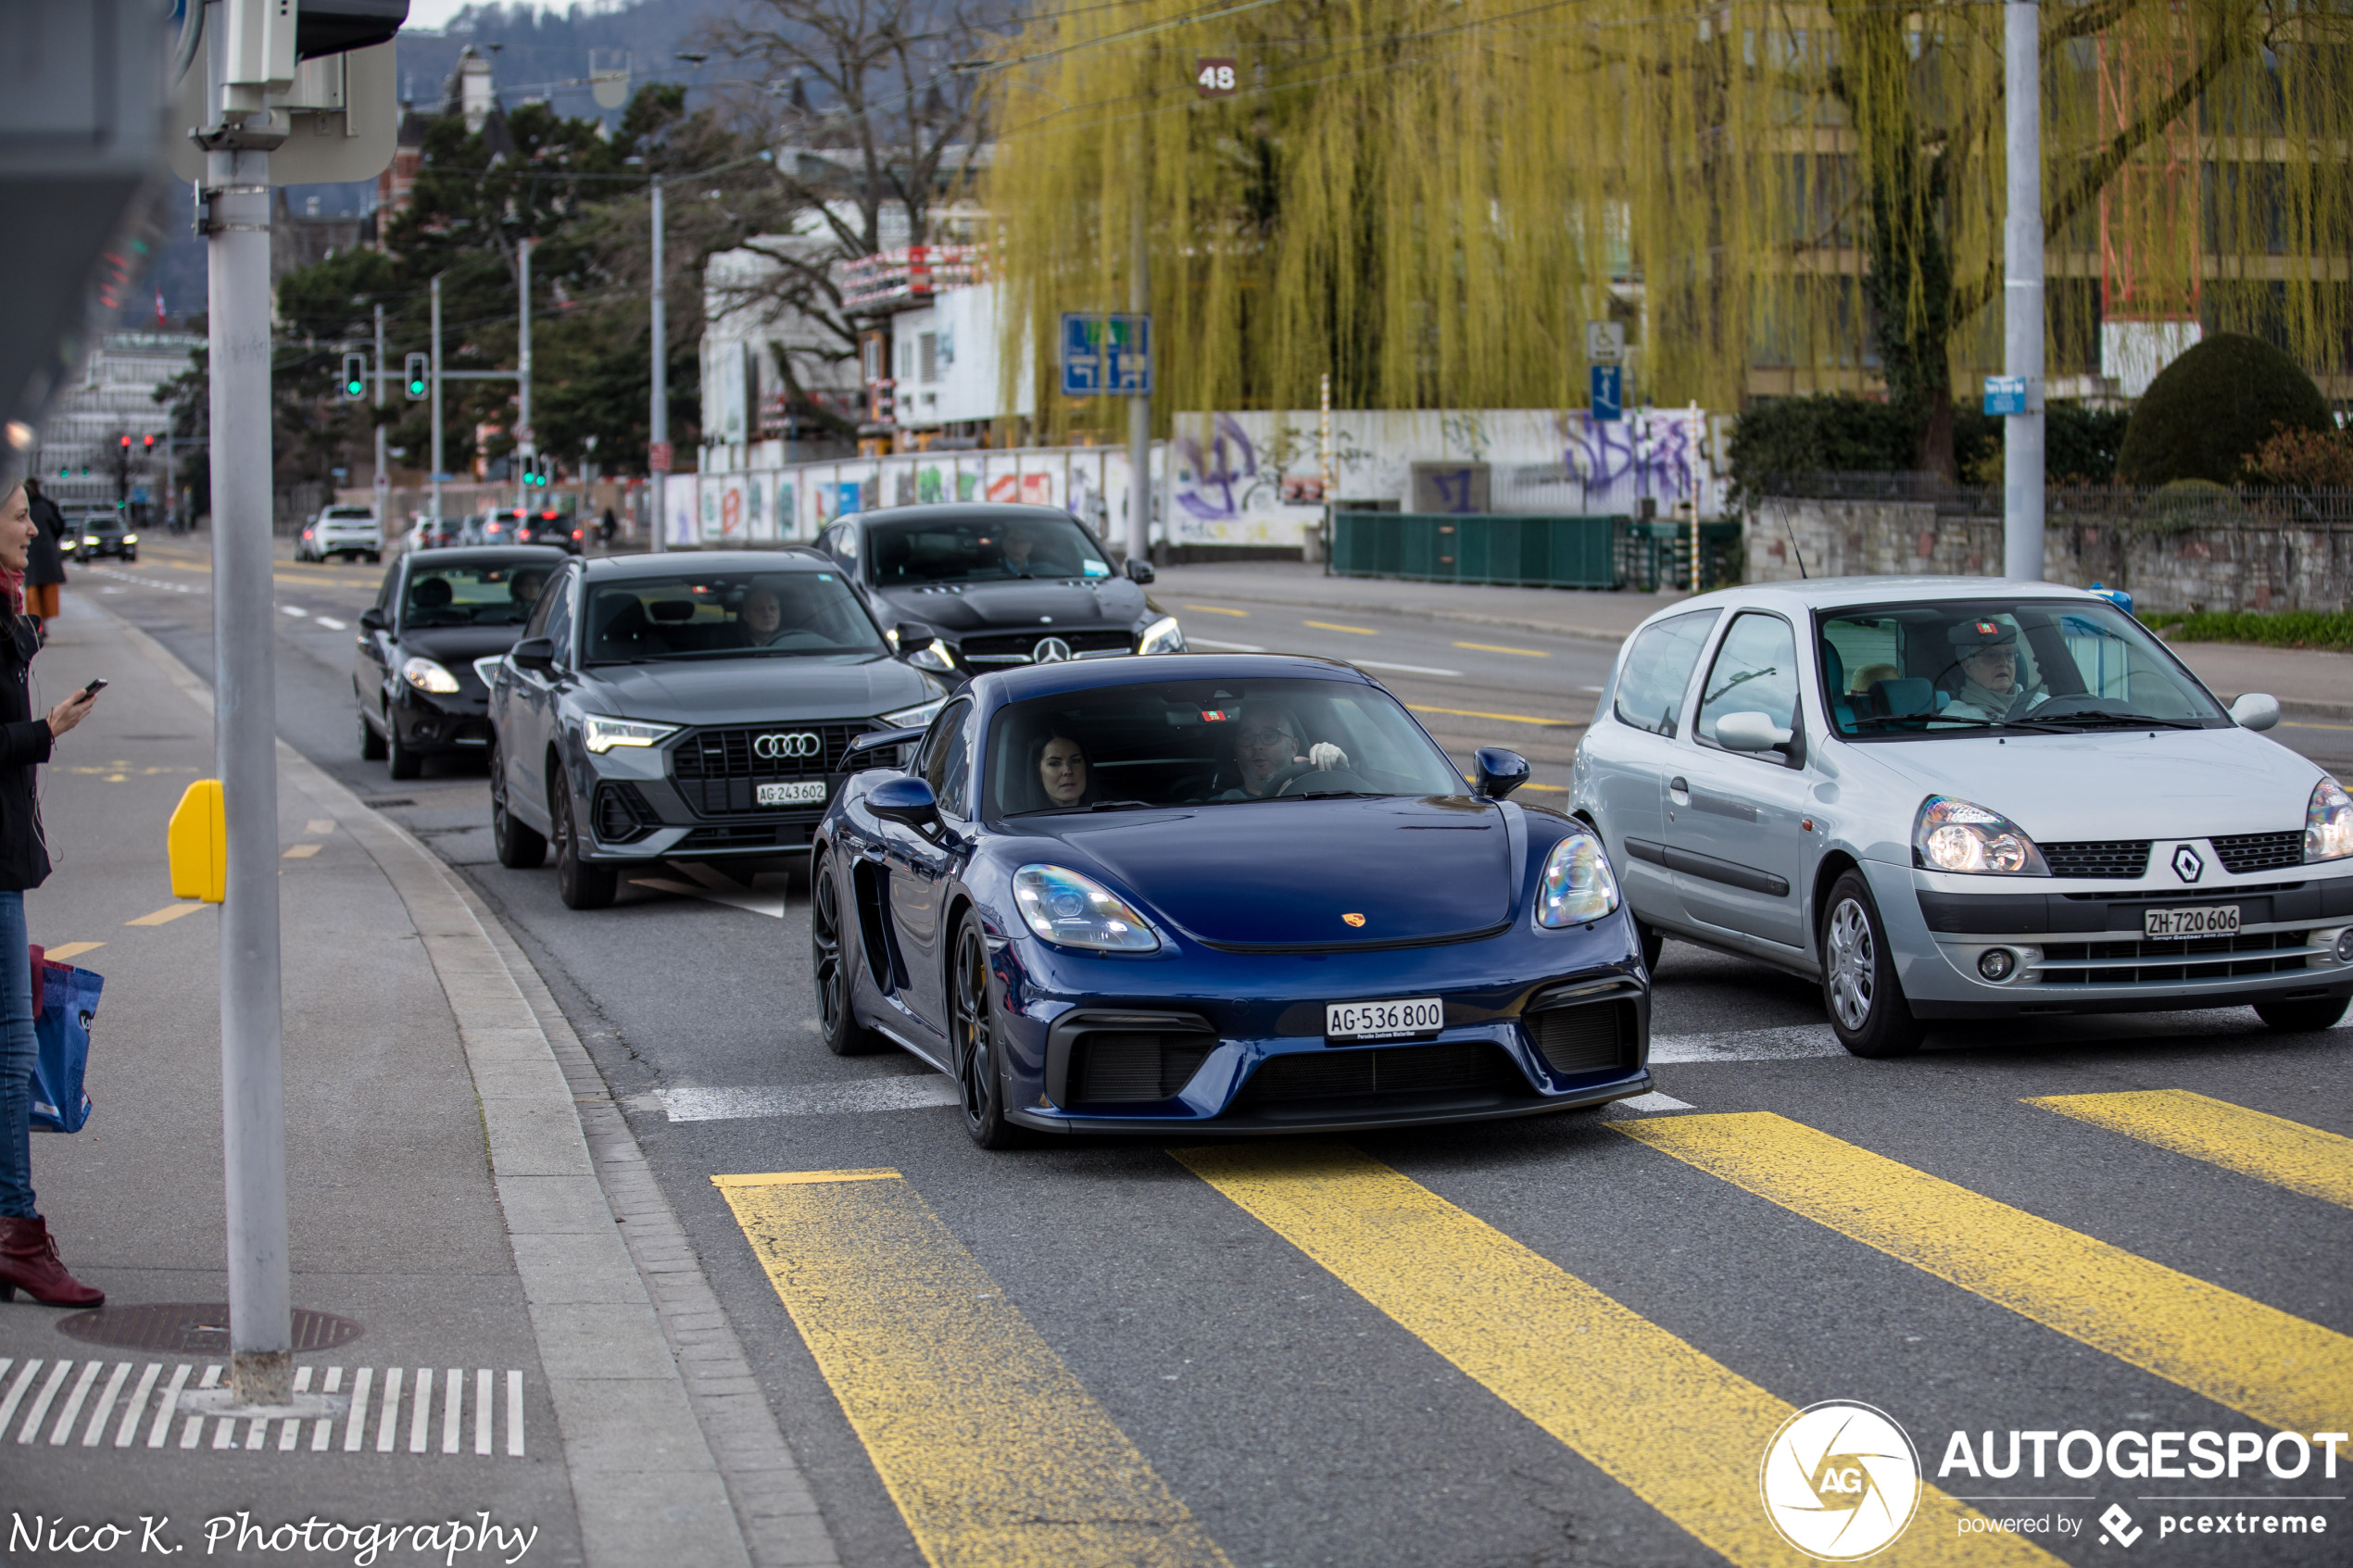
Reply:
x=1678, y=785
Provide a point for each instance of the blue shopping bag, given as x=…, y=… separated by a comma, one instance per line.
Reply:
x=62, y=1009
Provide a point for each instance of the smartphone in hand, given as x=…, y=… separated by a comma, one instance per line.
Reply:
x=95, y=687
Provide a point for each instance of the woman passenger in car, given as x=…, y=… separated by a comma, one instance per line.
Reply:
x=1060, y=764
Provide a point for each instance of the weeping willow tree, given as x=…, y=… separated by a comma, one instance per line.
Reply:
x=1426, y=200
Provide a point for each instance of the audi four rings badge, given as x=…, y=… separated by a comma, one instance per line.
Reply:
x=1049, y=651
x=773, y=748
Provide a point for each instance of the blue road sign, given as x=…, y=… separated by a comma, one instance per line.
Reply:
x=1609, y=393
x=2006, y=394
x=1106, y=356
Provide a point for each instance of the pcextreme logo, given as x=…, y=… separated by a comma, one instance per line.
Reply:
x=1840, y=1481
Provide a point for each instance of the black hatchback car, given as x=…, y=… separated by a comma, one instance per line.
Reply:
x=698, y=706
x=437, y=613
x=104, y=531
x=968, y=588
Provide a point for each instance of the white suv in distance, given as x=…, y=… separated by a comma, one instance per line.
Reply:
x=341, y=531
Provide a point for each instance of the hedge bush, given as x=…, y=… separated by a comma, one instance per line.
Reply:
x=2207, y=412
x=2329, y=629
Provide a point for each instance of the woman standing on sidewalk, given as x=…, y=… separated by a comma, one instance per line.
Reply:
x=28, y=1257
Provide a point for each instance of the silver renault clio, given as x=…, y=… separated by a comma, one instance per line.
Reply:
x=1953, y=800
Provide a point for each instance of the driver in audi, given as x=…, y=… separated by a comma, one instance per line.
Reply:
x=763, y=617
x=1270, y=749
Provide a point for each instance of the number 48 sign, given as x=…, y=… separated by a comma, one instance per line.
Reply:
x=1214, y=77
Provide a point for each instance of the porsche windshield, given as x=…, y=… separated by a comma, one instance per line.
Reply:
x=1178, y=742
x=729, y=615
x=1965, y=666
x=981, y=549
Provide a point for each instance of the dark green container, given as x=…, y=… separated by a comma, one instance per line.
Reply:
x=1533, y=552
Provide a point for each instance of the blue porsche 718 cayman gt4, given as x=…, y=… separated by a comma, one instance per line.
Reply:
x=1218, y=893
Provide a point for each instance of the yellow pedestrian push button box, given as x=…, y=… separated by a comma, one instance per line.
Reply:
x=198, y=842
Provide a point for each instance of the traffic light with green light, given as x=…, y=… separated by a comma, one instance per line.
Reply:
x=419, y=374
x=355, y=377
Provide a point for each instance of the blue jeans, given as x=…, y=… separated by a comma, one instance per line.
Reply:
x=17, y=1051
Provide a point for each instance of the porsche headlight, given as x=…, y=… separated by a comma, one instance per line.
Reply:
x=427, y=676
x=1161, y=636
x=2328, y=822
x=913, y=718
x=1953, y=835
x=601, y=735
x=1071, y=910
x=1578, y=887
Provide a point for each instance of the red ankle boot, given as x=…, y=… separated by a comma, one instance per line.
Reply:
x=29, y=1263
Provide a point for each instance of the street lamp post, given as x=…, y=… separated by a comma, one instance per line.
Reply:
x=380, y=479
x=658, y=417
x=2022, y=291
x=437, y=470
x=526, y=446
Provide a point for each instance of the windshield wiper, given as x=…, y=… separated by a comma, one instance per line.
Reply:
x=1097, y=806
x=2130, y=721
x=1962, y=720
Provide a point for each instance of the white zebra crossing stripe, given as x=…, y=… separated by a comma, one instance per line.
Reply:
x=70, y=1388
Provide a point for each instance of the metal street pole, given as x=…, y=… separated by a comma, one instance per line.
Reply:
x=245, y=730
x=437, y=470
x=383, y=484
x=1139, y=408
x=525, y=447
x=2022, y=291
x=658, y=420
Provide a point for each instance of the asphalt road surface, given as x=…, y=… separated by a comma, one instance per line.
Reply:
x=1533, y=1342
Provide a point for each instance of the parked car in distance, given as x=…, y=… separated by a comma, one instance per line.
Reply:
x=429, y=533
x=340, y=532
x=419, y=691
x=546, y=525
x=104, y=531
x=980, y=586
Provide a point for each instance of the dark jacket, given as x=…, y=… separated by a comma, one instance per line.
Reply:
x=45, y=561
x=24, y=741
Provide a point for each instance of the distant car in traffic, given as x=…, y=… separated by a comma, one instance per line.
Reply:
x=1953, y=801
x=1229, y=893
x=416, y=677
x=104, y=531
x=694, y=705
x=429, y=533
x=340, y=532
x=977, y=587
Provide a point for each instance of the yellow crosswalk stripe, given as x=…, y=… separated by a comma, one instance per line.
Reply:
x=2270, y=1148
x=995, y=1453
x=1683, y=1432
x=2238, y=1352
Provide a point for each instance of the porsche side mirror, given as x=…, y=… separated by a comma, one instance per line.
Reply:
x=1138, y=571
x=1497, y=772
x=373, y=620
x=2256, y=710
x=535, y=654
x=906, y=799
x=1749, y=732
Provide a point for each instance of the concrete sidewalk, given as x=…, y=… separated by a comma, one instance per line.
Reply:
x=2310, y=685
x=457, y=1174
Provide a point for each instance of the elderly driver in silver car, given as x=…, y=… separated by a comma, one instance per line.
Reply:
x=1987, y=653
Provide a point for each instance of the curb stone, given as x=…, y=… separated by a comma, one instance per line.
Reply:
x=671, y=1447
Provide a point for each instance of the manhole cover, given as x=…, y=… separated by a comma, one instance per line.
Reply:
x=195, y=1327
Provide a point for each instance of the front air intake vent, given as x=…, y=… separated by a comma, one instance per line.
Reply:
x=2243, y=852
x=622, y=814
x=1451, y=1067
x=2100, y=857
x=1121, y=1069
x=1596, y=1037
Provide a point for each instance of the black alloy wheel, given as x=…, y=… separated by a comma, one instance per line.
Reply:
x=582, y=884
x=402, y=761
x=520, y=846
x=2308, y=1016
x=972, y=1038
x=372, y=745
x=1860, y=988
x=1653, y=943
x=829, y=961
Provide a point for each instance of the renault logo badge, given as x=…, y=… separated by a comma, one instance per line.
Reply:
x=1049, y=651
x=2186, y=865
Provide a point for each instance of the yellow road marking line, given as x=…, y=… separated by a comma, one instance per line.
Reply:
x=1683, y=1431
x=2270, y=1148
x=2257, y=1359
x=799, y=1178
x=70, y=950
x=1497, y=648
x=298, y=852
x=1501, y=717
x=1554, y=789
x=995, y=1453
x=187, y=566
x=1335, y=626
x=166, y=915
x=2308, y=724
x=1221, y=610
x=319, y=824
